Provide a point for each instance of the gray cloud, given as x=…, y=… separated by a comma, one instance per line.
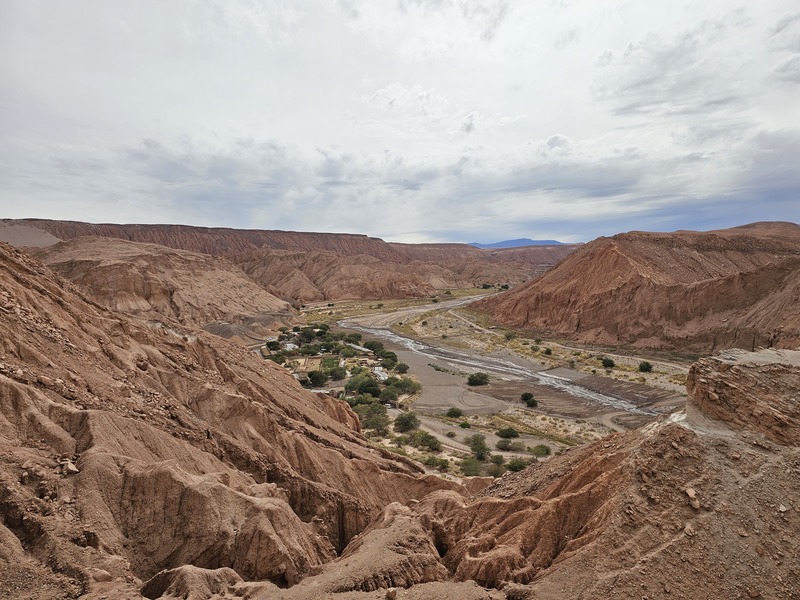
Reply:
x=421, y=120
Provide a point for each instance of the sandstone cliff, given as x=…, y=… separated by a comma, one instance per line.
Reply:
x=686, y=290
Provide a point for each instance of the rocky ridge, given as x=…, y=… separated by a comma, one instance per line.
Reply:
x=690, y=291
x=306, y=267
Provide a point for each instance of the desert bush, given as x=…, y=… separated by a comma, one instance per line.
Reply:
x=516, y=464
x=645, y=367
x=475, y=379
x=608, y=363
x=504, y=445
x=454, y=412
x=540, y=450
x=470, y=467
x=507, y=432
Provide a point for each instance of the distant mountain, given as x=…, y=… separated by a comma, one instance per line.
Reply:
x=517, y=243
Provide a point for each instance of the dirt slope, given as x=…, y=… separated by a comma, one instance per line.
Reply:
x=155, y=281
x=302, y=267
x=129, y=449
x=697, y=291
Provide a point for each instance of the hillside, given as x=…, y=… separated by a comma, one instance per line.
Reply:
x=301, y=267
x=694, y=291
x=154, y=281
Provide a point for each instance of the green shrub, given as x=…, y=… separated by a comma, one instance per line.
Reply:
x=540, y=450
x=507, y=432
x=475, y=379
x=497, y=459
x=454, y=412
x=645, y=367
x=494, y=470
x=424, y=440
x=548, y=351
x=470, y=467
x=451, y=434
x=464, y=425
x=440, y=464
x=401, y=368
x=608, y=363
x=504, y=445
x=516, y=464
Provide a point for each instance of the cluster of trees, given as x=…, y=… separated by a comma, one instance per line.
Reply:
x=368, y=398
x=388, y=358
x=482, y=462
x=312, y=340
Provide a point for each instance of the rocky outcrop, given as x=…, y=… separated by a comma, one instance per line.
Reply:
x=753, y=391
x=689, y=291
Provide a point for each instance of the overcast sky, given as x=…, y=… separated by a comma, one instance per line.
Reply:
x=410, y=120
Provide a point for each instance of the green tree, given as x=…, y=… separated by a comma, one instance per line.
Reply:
x=401, y=368
x=406, y=422
x=406, y=385
x=373, y=416
x=337, y=373
x=363, y=384
x=464, y=425
x=475, y=379
x=374, y=345
x=645, y=367
x=274, y=345
x=548, y=351
x=454, y=412
x=608, y=363
x=317, y=378
x=497, y=459
x=477, y=445
x=389, y=395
